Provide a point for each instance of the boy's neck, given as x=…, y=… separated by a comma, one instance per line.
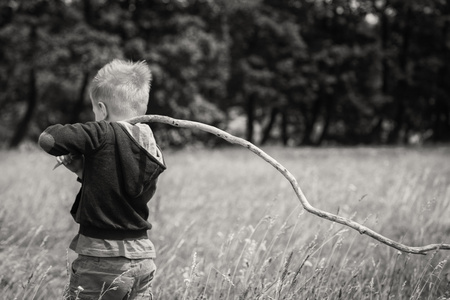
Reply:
x=114, y=118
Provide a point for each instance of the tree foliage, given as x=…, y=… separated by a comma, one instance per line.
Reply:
x=297, y=72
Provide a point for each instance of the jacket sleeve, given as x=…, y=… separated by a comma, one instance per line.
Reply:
x=73, y=138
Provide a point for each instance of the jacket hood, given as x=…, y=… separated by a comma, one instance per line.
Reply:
x=140, y=161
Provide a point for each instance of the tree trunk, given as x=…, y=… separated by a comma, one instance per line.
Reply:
x=22, y=128
x=374, y=136
x=441, y=109
x=250, y=110
x=4, y=85
x=79, y=105
x=399, y=108
x=284, y=127
x=311, y=121
x=326, y=125
x=402, y=86
x=384, y=50
x=87, y=7
x=384, y=45
x=268, y=128
x=441, y=121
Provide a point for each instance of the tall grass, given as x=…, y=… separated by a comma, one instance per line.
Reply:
x=228, y=226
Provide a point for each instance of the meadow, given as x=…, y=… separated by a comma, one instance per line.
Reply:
x=227, y=225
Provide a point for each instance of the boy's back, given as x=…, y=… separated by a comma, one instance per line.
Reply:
x=121, y=167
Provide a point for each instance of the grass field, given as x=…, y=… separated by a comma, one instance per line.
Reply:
x=228, y=226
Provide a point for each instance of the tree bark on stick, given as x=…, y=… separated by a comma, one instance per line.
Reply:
x=302, y=198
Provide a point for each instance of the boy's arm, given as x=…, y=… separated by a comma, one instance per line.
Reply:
x=76, y=139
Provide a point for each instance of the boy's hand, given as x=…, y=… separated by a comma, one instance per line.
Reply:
x=74, y=163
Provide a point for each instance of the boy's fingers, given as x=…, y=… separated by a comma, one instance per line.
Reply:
x=67, y=159
x=64, y=159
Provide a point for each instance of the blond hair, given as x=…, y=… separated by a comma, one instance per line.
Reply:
x=123, y=86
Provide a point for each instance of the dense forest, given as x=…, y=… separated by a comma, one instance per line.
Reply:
x=290, y=72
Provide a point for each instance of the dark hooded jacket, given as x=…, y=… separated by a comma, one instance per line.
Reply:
x=119, y=177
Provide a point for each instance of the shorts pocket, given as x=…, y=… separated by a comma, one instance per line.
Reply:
x=142, y=289
x=88, y=282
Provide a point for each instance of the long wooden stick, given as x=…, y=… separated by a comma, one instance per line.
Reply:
x=305, y=203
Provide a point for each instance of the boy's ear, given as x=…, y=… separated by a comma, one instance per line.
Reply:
x=103, y=110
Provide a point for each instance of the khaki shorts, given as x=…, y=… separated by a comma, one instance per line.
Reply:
x=111, y=278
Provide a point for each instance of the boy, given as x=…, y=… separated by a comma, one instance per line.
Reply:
x=118, y=165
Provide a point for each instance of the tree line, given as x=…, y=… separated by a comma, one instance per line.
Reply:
x=292, y=72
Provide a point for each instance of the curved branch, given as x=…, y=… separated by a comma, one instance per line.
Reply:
x=306, y=205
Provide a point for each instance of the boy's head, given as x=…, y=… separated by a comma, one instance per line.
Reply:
x=120, y=90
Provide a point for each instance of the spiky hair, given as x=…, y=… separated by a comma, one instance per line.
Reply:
x=124, y=86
